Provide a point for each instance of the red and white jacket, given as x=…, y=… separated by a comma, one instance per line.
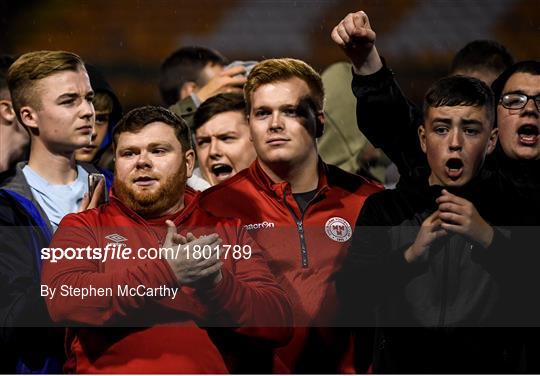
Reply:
x=165, y=336
x=303, y=250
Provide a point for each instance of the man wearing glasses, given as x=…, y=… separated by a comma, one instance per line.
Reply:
x=518, y=113
x=517, y=161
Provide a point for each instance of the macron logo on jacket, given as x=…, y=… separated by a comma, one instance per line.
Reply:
x=257, y=226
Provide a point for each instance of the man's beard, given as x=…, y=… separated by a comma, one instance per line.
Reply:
x=152, y=204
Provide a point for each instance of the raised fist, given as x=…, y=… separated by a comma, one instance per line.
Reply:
x=356, y=38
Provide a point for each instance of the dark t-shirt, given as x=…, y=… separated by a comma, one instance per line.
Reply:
x=303, y=199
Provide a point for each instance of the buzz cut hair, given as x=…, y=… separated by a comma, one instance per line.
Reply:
x=460, y=91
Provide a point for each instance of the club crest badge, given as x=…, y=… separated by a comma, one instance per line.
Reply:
x=338, y=229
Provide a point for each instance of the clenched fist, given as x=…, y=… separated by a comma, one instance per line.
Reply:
x=357, y=39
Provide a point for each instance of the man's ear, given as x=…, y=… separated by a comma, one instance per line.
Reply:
x=190, y=162
x=7, y=114
x=422, y=137
x=29, y=117
x=319, y=124
x=492, y=142
x=187, y=88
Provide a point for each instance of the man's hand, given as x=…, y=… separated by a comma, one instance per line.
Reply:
x=356, y=38
x=460, y=216
x=92, y=202
x=188, y=270
x=226, y=81
x=429, y=232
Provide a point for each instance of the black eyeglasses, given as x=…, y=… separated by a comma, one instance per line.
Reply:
x=516, y=101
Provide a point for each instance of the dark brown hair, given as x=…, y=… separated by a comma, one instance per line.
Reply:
x=138, y=118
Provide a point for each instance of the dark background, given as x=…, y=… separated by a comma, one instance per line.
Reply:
x=128, y=39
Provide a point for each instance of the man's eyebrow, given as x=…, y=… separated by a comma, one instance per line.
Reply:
x=75, y=95
x=519, y=91
x=442, y=120
x=68, y=96
x=226, y=133
x=159, y=143
x=471, y=122
x=127, y=147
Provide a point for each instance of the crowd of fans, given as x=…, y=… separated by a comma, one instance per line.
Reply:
x=266, y=180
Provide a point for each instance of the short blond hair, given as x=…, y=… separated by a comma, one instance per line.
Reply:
x=273, y=70
x=33, y=66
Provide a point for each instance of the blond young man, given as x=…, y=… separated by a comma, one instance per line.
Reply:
x=52, y=98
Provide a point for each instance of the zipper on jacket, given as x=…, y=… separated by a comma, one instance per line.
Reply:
x=442, y=315
x=300, y=228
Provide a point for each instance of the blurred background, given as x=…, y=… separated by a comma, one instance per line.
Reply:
x=128, y=39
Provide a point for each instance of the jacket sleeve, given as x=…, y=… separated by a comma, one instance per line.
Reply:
x=20, y=302
x=26, y=335
x=249, y=297
x=185, y=108
x=390, y=121
x=18, y=276
x=75, y=232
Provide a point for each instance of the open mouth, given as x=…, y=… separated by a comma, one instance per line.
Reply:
x=222, y=171
x=144, y=181
x=454, y=168
x=528, y=134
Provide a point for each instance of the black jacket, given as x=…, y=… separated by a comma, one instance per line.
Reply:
x=390, y=122
x=448, y=289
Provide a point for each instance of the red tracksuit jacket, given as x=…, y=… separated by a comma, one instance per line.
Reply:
x=303, y=250
x=165, y=336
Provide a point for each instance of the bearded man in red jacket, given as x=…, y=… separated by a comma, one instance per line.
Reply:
x=156, y=266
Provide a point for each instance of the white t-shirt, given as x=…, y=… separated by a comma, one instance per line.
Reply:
x=57, y=200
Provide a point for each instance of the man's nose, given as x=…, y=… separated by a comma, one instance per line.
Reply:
x=87, y=110
x=276, y=122
x=456, y=140
x=215, y=149
x=143, y=161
